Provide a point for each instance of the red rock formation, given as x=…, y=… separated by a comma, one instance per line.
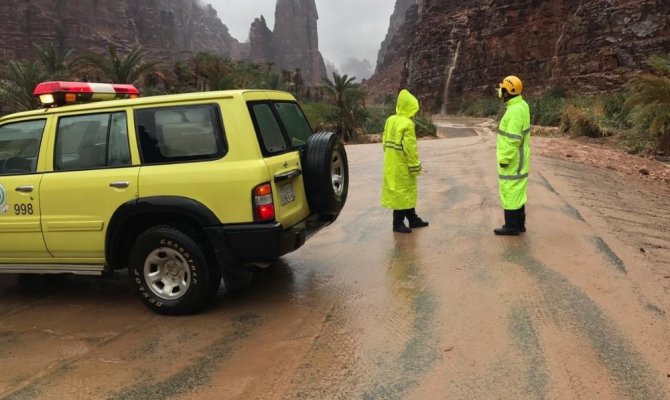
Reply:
x=296, y=39
x=165, y=28
x=261, y=42
x=397, y=21
x=581, y=46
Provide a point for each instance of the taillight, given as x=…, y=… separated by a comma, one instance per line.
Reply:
x=264, y=208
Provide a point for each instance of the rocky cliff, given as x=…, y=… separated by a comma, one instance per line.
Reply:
x=296, y=39
x=449, y=50
x=166, y=29
x=397, y=21
x=261, y=42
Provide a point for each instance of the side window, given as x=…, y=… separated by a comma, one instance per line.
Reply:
x=295, y=122
x=92, y=141
x=19, y=146
x=174, y=134
x=268, y=128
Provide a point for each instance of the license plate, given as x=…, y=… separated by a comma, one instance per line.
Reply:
x=286, y=194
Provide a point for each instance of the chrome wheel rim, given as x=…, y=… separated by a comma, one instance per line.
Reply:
x=167, y=273
x=337, y=176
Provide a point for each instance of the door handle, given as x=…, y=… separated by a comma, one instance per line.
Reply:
x=119, y=185
x=288, y=175
x=25, y=189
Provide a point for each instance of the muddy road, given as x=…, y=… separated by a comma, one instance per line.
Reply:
x=577, y=308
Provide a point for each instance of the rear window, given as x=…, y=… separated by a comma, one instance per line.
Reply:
x=19, y=146
x=174, y=134
x=280, y=126
x=296, y=123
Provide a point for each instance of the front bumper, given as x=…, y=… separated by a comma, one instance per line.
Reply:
x=262, y=243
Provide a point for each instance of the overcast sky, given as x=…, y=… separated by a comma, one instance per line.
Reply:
x=347, y=28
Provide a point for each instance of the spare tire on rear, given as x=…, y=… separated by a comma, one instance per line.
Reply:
x=326, y=173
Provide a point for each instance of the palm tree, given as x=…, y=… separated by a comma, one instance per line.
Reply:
x=349, y=100
x=213, y=72
x=650, y=101
x=16, y=90
x=124, y=69
x=57, y=65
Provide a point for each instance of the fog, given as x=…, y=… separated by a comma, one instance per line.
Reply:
x=350, y=31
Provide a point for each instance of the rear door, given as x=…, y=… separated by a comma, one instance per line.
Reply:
x=282, y=131
x=20, y=233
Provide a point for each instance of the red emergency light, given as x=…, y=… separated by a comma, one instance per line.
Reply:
x=54, y=94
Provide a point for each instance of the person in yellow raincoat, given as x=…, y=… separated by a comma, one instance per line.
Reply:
x=402, y=165
x=513, y=155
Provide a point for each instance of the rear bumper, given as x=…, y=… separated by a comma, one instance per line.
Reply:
x=251, y=243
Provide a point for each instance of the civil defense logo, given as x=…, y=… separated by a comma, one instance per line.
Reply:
x=3, y=200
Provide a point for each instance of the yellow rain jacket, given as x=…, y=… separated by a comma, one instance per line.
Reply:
x=513, y=149
x=401, y=156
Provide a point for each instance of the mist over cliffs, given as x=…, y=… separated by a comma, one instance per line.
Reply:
x=581, y=47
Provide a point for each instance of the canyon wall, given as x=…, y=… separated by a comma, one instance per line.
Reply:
x=581, y=47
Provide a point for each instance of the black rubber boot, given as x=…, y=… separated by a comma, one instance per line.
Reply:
x=522, y=219
x=414, y=220
x=399, y=221
x=511, y=227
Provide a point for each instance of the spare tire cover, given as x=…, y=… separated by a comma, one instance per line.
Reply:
x=326, y=173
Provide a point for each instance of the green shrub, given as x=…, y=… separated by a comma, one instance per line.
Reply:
x=376, y=119
x=483, y=107
x=424, y=126
x=616, y=111
x=581, y=120
x=318, y=114
x=547, y=110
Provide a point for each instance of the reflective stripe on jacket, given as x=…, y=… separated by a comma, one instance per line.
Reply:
x=401, y=156
x=513, y=149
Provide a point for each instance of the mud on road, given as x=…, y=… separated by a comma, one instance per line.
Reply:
x=577, y=308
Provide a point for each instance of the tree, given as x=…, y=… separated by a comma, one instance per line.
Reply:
x=349, y=100
x=650, y=102
x=16, y=90
x=124, y=69
x=58, y=65
x=213, y=72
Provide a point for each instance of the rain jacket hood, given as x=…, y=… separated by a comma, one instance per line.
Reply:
x=407, y=105
x=401, y=156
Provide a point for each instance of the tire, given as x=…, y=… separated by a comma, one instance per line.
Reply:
x=326, y=173
x=170, y=272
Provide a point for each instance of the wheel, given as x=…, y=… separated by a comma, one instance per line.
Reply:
x=326, y=172
x=171, y=273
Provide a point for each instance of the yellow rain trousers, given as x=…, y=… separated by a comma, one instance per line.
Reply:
x=401, y=156
x=513, y=149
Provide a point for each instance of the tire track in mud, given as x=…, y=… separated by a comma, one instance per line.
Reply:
x=184, y=381
x=527, y=340
x=611, y=256
x=566, y=207
x=196, y=374
x=34, y=390
x=571, y=308
x=637, y=216
x=420, y=351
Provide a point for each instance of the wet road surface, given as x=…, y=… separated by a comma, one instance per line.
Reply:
x=571, y=310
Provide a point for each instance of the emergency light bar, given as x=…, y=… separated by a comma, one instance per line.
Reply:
x=54, y=94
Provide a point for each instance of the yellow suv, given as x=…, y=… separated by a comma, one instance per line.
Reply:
x=184, y=190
